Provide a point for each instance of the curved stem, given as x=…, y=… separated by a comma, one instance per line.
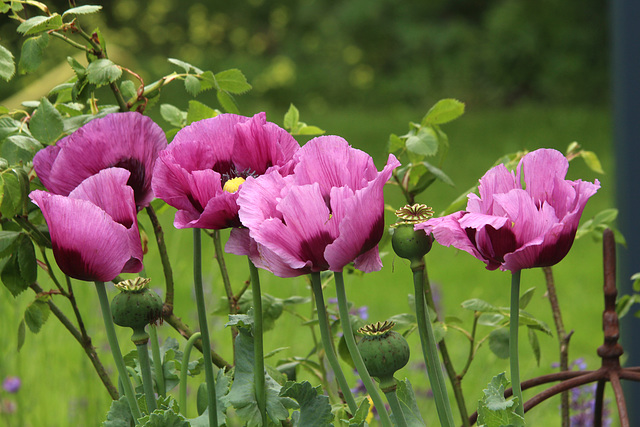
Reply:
x=428, y=342
x=164, y=257
x=204, y=328
x=184, y=370
x=258, y=345
x=115, y=350
x=157, y=360
x=396, y=409
x=355, y=354
x=514, y=322
x=327, y=342
x=147, y=381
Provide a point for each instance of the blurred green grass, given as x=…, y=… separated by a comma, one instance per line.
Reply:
x=60, y=388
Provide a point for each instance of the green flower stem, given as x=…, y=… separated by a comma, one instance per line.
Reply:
x=147, y=381
x=115, y=350
x=429, y=349
x=164, y=257
x=454, y=378
x=157, y=360
x=396, y=409
x=184, y=370
x=513, y=341
x=355, y=354
x=258, y=345
x=204, y=328
x=327, y=342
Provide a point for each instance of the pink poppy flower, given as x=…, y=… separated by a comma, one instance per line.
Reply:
x=327, y=214
x=512, y=227
x=94, y=230
x=125, y=140
x=205, y=156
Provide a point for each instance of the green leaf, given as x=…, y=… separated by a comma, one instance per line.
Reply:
x=102, y=72
x=499, y=342
x=443, y=111
x=173, y=115
x=208, y=81
x=18, y=149
x=624, y=304
x=11, y=194
x=496, y=411
x=33, y=50
x=128, y=89
x=396, y=144
x=272, y=308
x=22, y=334
x=232, y=81
x=46, y=123
x=9, y=126
x=291, y=118
x=592, y=161
x=8, y=240
x=192, y=85
x=479, y=305
x=534, y=343
x=243, y=320
x=636, y=282
x=527, y=319
x=7, y=64
x=492, y=319
x=241, y=395
x=424, y=143
x=525, y=298
x=185, y=66
x=315, y=409
x=310, y=130
x=77, y=68
x=360, y=417
x=119, y=414
x=227, y=102
x=198, y=111
x=40, y=23
x=36, y=315
x=409, y=405
x=438, y=174
x=82, y=10
x=164, y=418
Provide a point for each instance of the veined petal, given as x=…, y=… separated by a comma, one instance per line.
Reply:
x=259, y=199
x=528, y=221
x=497, y=180
x=542, y=170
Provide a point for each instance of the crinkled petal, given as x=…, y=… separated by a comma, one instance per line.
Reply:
x=87, y=243
x=128, y=140
x=542, y=171
x=527, y=221
x=497, y=180
x=259, y=198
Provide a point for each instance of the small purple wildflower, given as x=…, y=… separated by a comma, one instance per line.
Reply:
x=11, y=384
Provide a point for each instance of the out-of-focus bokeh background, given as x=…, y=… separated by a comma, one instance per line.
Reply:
x=532, y=74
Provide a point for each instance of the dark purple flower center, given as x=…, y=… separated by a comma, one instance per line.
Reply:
x=229, y=171
x=497, y=244
x=72, y=263
x=375, y=234
x=313, y=249
x=137, y=181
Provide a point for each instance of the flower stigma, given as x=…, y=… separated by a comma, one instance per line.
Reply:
x=233, y=185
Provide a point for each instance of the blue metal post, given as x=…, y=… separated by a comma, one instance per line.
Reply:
x=625, y=26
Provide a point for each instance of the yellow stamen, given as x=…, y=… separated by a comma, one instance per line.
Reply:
x=233, y=185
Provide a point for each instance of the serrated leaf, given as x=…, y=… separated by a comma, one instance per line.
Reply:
x=409, y=404
x=8, y=240
x=499, y=342
x=36, y=315
x=525, y=298
x=185, y=66
x=77, y=67
x=592, y=161
x=11, y=195
x=359, y=419
x=208, y=81
x=46, y=124
x=22, y=334
x=102, y=72
x=198, y=111
x=7, y=64
x=496, y=411
x=32, y=52
x=27, y=259
x=227, y=102
x=173, y=115
x=423, y=143
x=396, y=144
x=119, y=414
x=164, y=418
x=9, y=126
x=534, y=343
x=315, y=409
x=82, y=10
x=232, y=81
x=192, y=85
x=128, y=89
x=19, y=149
x=272, y=308
x=243, y=320
x=291, y=117
x=40, y=23
x=443, y=111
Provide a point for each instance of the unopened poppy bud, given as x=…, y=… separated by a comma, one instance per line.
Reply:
x=136, y=306
x=383, y=352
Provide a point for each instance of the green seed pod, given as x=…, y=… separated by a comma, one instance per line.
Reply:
x=136, y=305
x=406, y=242
x=383, y=351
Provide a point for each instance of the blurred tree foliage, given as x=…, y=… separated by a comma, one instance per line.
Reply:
x=327, y=52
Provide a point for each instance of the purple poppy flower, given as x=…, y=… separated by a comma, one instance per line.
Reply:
x=208, y=157
x=94, y=230
x=328, y=213
x=125, y=140
x=512, y=227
